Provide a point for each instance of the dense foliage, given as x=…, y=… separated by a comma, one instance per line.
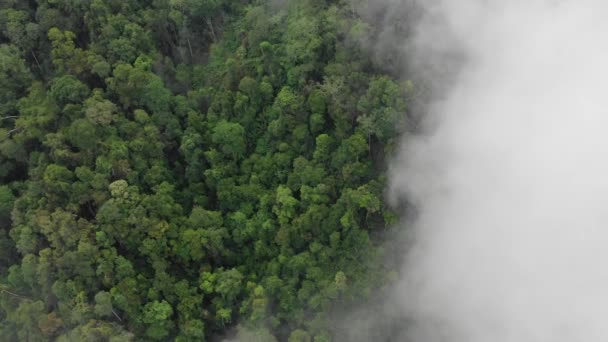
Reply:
x=172, y=168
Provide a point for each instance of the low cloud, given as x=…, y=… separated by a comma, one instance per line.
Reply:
x=509, y=175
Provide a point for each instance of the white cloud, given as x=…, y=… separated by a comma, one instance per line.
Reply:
x=510, y=176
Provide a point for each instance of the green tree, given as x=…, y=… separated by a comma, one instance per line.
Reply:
x=157, y=317
x=68, y=89
x=103, y=304
x=383, y=108
x=299, y=336
x=229, y=138
x=15, y=78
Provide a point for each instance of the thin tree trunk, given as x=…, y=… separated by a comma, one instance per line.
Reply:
x=91, y=209
x=190, y=48
x=210, y=24
x=36, y=59
x=116, y=315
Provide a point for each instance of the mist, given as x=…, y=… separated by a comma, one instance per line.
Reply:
x=509, y=175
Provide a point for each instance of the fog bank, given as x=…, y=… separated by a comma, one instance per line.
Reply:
x=509, y=175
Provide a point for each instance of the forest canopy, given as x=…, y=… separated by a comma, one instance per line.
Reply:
x=181, y=169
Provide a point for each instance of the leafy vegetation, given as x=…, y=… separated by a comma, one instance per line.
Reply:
x=172, y=168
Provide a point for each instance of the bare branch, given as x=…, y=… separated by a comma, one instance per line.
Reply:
x=115, y=314
x=14, y=294
x=14, y=130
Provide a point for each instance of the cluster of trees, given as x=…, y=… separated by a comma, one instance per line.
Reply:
x=172, y=168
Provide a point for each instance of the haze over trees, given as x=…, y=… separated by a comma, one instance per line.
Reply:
x=171, y=169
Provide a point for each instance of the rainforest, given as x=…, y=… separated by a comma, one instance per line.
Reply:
x=193, y=170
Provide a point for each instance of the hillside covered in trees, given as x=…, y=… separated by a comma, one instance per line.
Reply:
x=181, y=169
